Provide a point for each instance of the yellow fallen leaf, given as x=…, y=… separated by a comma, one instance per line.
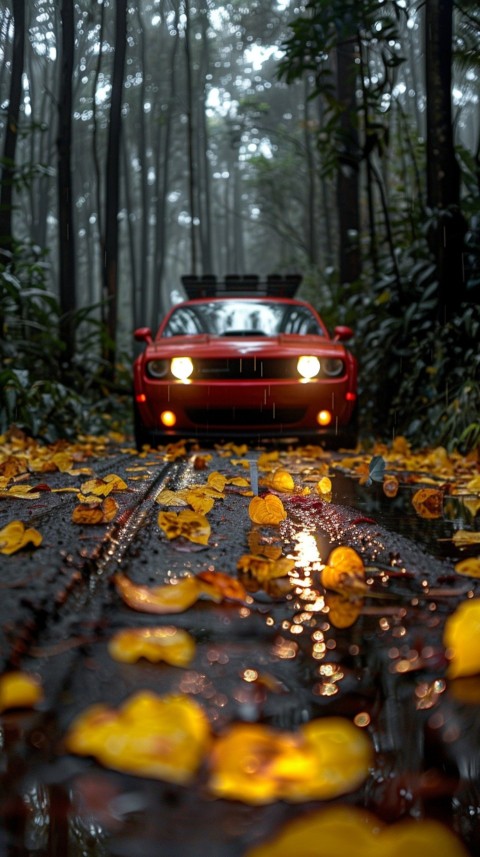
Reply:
x=101, y=513
x=461, y=638
x=164, y=737
x=20, y=492
x=118, y=483
x=62, y=461
x=239, y=481
x=256, y=764
x=267, y=460
x=217, y=481
x=282, y=480
x=170, y=598
x=167, y=497
x=400, y=445
x=267, y=510
x=199, y=502
x=350, y=830
x=191, y=525
x=165, y=643
x=344, y=571
x=19, y=690
x=474, y=485
x=15, y=536
x=324, y=486
x=105, y=486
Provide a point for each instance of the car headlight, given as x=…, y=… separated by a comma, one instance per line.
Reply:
x=333, y=366
x=157, y=368
x=181, y=367
x=308, y=366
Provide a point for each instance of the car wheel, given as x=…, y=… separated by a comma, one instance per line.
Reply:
x=143, y=436
x=346, y=437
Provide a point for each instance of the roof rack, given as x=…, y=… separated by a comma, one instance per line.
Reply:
x=241, y=285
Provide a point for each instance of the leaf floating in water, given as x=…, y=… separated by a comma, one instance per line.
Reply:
x=217, y=585
x=428, y=503
x=469, y=566
x=463, y=538
x=262, y=568
x=258, y=765
x=152, y=736
x=344, y=572
x=164, y=643
x=19, y=690
x=343, y=611
x=376, y=470
x=350, y=830
x=171, y=598
x=390, y=485
x=461, y=638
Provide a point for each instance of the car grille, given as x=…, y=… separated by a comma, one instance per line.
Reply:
x=231, y=417
x=245, y=368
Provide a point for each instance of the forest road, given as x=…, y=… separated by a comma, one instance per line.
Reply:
x=277, y=649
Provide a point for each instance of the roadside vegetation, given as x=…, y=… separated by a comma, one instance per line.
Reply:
x=300, y=138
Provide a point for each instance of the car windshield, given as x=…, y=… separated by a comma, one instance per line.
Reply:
x=242, y=318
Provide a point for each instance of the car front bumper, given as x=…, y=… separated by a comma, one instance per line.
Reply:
x=246, y=408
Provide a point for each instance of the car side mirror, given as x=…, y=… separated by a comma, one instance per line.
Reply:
x=143, y=334
x=342, y=333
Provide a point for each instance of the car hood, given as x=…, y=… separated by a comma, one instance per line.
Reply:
x=234, y=346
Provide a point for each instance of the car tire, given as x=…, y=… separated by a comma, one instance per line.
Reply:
x=143, y=436
x=346, y=438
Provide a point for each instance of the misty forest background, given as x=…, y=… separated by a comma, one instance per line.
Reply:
x=144, y=140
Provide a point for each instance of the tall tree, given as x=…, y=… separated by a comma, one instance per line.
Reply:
x=448, y=226
x=112, y=190
x=348, y=178
x=11, y=130
x=66, y=227
x=192, y=164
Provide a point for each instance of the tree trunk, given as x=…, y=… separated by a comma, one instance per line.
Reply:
x=112, y=190
x=311, y=237
x=446, y=236
x=190, y=143
x=11, y=131
x=66, y=230
x=348, y=177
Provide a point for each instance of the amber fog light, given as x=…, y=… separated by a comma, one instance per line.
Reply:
x=324, y=418
x=168, y=418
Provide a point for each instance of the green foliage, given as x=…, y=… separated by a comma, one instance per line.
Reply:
x=39, y=392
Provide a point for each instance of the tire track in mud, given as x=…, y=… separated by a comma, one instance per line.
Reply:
x=66, y=575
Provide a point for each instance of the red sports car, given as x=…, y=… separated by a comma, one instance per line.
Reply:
x=244, y=359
